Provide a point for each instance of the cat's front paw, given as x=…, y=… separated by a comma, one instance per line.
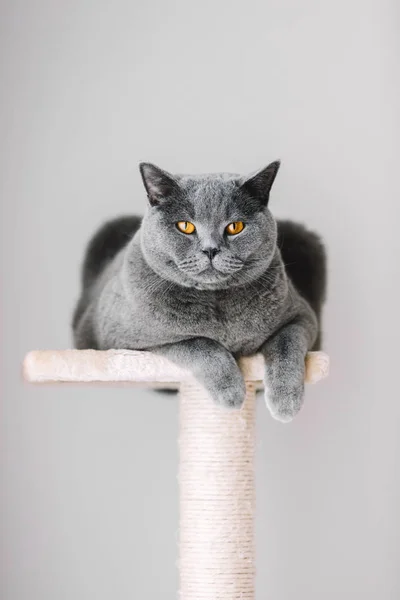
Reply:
x=284, y=401
x=229, y=392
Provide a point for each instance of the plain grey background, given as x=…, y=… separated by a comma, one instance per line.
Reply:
x=89, y=88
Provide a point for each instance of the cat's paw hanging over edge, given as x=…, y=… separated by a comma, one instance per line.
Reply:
x=285, y=402
x=231, y=395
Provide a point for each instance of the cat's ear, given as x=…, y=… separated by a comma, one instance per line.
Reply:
x=158, y=183
x=259, y=184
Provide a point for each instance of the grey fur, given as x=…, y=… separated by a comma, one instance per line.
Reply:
x=204, y=299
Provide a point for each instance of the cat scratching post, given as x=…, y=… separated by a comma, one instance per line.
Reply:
x=216, y=475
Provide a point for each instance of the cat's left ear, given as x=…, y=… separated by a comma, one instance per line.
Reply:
x=259, y=184
x=159, y=184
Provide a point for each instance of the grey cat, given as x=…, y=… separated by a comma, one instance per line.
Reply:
x=202, y=280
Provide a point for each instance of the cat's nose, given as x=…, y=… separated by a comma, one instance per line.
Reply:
x=211, y=252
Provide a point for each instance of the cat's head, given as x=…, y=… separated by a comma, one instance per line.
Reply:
x=208, y=231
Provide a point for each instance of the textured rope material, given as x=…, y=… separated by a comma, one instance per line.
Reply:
x=217, y=497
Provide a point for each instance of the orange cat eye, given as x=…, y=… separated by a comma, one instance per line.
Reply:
x=186, y=227
x=234, y=228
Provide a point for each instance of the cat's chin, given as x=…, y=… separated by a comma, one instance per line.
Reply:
x=211, y=279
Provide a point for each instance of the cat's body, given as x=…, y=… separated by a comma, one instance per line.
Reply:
x=133, y=297
x=241, y=318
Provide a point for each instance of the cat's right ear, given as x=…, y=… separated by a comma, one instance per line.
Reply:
x=159, y=184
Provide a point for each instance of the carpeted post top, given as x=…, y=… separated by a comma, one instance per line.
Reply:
x=89, y=366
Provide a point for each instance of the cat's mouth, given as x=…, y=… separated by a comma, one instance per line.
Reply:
x=214, y=273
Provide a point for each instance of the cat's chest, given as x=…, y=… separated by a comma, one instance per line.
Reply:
x=239, y=318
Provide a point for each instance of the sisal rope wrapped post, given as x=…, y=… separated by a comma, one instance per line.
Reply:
x=216, y=474
x=217, y=497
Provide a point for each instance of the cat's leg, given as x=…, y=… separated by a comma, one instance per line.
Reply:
x=285, y=354
x=212, y=365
